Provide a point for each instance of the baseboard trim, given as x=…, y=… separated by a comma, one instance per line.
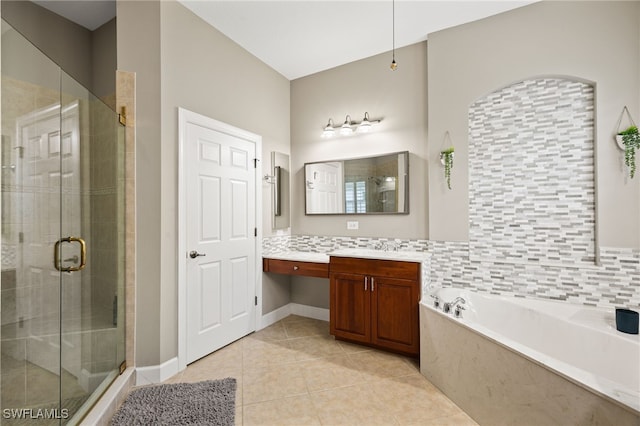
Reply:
x=321, y=314
x=275, y=316
x=293, y=309
x=156, y=373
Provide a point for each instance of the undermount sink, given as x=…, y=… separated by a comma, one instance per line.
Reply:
x=411, y=256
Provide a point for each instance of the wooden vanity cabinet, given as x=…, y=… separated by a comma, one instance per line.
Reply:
x=375, y=302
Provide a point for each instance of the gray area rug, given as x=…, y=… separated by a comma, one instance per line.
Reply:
x=211, y=402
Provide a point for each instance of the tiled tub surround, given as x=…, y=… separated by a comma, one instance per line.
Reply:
x=532, y=202
x=531, y=235
x=614, y=283
x=516, y=361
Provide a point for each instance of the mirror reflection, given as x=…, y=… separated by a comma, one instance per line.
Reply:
x=371, y=185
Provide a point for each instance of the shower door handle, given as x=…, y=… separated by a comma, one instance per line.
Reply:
x=83, y=254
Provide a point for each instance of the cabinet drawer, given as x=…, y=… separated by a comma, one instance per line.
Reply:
x=377, y=267
x=293, y=267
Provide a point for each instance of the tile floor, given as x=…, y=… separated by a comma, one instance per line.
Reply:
x=295, y=373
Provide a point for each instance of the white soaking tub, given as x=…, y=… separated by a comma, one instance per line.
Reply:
x=511, y=360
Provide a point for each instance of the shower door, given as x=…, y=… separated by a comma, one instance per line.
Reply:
x=62, y=284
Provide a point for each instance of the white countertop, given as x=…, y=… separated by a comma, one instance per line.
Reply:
x=303, y=256
x=299, y=256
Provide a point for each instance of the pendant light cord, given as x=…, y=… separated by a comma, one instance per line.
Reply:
x=394, y=65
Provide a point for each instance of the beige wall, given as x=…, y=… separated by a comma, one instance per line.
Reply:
x=66, y=43
x=103, y=62
x=205, y=72
x=139, y=51
x=181, y=61
x=598, y=42
x=400, y=98
x=87, y=56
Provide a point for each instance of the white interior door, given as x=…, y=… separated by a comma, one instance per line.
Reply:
x=324, y=188
x=50, y=162
x=220, y=196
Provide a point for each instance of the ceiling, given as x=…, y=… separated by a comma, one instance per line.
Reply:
x=299, y=38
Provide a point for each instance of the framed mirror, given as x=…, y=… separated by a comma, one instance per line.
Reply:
x=369, y=185
x=280, y=190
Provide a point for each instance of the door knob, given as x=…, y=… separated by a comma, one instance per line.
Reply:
x=193, y=254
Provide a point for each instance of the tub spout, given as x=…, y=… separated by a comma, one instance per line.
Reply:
x=447, y=307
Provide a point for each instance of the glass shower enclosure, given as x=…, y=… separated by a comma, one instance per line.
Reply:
x=62, y=284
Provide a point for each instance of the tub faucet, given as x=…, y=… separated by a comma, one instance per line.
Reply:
x=447, y=307
x=436, y=301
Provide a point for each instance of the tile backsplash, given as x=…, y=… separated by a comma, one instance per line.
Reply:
x=326, y=244
x=615, y=283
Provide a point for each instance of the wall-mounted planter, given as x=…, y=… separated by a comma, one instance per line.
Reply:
x=446, y=158
x=629, y=141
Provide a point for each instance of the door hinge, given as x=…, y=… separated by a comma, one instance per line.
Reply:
x=21, y=237
x=123, y=366
x=255, y=163
x=255, y=232
x=256, y=301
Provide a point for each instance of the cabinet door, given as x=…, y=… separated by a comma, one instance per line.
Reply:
x=350, y=307
x=394, y=315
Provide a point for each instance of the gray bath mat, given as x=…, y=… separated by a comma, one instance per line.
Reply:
x=211, y=402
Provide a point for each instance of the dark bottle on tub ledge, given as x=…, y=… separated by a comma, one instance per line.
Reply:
x=627, y=321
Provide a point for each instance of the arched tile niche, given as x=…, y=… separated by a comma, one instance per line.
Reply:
x=531, y=174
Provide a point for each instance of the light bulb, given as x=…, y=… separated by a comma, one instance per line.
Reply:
x=346, y=128
x=328, y=130
x=365, y=125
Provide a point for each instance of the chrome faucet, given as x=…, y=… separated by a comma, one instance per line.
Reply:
x=447, y=307
x=436, y=301
x=385, y=246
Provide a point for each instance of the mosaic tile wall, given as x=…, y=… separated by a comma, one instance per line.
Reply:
x=531, y=173
x=532, y=210
x=615, y=283
x=325, y=244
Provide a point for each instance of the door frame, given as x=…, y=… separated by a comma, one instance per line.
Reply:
x=185, y=116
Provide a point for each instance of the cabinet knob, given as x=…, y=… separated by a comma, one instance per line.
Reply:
x=295, y=268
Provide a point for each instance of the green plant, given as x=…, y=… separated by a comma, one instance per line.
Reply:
x=446, y=157
x=631, y=142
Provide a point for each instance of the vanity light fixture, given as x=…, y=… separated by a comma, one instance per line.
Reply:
x=348, y=126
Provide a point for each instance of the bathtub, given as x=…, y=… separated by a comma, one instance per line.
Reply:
x=520, y=361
